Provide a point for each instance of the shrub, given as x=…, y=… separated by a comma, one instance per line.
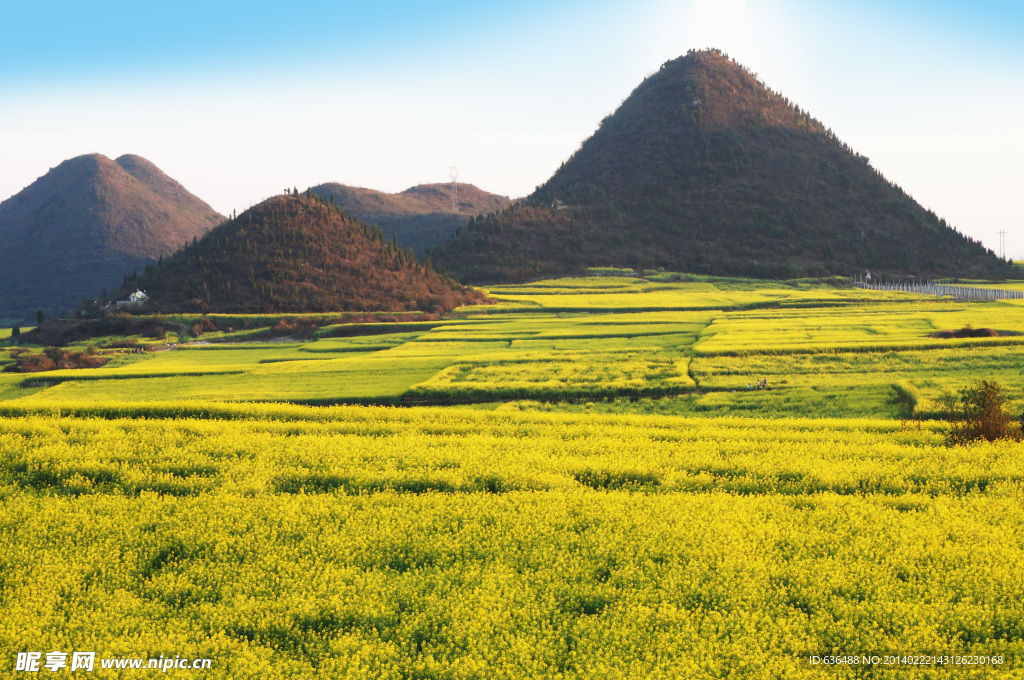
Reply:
x=978, y=412
x=53, y=358
x=203, y=325
x=904, y=402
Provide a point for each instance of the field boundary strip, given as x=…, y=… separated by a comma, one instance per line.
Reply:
x=862, y=348
x=288, y=412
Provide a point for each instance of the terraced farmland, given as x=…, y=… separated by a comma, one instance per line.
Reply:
x=579, y=484
x=825, y=351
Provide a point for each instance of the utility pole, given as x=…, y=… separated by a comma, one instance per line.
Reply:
x=1002, y=244
x=453, y=190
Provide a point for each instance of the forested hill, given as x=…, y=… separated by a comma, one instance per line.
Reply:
x=704, y=169
x=296, y=253
x=78, y=228
x=421, y=217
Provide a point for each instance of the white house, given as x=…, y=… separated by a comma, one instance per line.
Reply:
x=136, y=299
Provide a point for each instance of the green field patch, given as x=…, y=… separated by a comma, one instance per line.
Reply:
x=372, y=343
x=327, y=356
x=204, y=355
x=250, y=321
x=127, y=373
x=446, y=348
x=463, y=337
x=697, y=319
x=570, y=375
x=582, y=295
x=869, y=375
x=360, y=329
x=623, y=331
x=311, y=381
x=650, y=343
x=1003, y=285
x=573, y=285
x=869, y=329
x=203, y=346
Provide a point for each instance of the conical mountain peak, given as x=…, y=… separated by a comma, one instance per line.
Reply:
x=86, y=222
x=704, y=169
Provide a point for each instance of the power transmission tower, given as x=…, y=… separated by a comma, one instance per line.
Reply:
x=453, y=190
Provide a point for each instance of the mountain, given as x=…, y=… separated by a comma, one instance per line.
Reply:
x=82, y=225
x=703, y=169
x=296, y=254
x=420, y=218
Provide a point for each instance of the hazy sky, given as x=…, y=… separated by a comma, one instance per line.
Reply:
x=238, y=100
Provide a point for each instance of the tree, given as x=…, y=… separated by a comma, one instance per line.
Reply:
x=904, y=402
x=16, y=331
x=978, y=412
x=39, y=317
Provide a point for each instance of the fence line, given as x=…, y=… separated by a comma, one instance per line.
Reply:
x=942, y=289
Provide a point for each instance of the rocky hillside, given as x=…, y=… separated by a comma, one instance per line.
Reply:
x=296, y=253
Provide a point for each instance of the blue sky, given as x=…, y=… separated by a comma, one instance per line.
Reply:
x=239, y=100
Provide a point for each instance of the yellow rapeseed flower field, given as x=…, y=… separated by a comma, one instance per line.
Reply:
x=582, y=481
x=288, y=541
